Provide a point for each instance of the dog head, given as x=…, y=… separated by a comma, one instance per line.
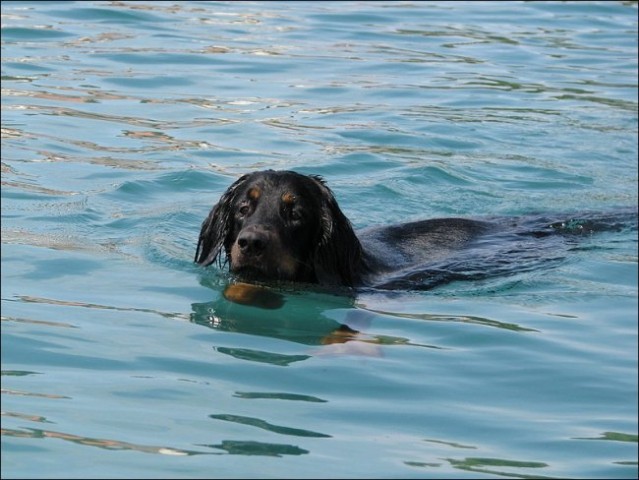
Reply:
x=281, y=226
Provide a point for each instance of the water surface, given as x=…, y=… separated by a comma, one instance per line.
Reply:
x=123, y=122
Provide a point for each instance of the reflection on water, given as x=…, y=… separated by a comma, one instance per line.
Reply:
x=490, y=466
x=256, y=422
x=51, y=301
x=614, y=436
x=433, y=317
x=238, y=447
x=107, y=444
x=302, y=316
x=262, y=356
x=278, y=396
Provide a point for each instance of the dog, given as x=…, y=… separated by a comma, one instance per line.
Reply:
x=283, y=226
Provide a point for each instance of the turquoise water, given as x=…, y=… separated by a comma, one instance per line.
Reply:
x=123, y=122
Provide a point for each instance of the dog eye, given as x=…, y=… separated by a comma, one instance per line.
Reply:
x=295, y=215
x=243, y=210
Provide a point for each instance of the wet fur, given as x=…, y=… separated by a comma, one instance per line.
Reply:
x=293, y=230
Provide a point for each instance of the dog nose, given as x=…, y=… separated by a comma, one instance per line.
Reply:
x=252, y=242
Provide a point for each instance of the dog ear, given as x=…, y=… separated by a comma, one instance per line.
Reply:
x=217, y=226
x=338, y=254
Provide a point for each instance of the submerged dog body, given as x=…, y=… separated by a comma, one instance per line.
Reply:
x=285, y=226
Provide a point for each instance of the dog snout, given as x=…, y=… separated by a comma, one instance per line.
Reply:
x=253, y=242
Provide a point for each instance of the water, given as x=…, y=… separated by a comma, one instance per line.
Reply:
x=123, y=122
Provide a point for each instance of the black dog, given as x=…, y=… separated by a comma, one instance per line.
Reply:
x=285, y=226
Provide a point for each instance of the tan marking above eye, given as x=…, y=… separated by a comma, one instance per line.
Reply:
x=288, y=198
x=254, y=193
